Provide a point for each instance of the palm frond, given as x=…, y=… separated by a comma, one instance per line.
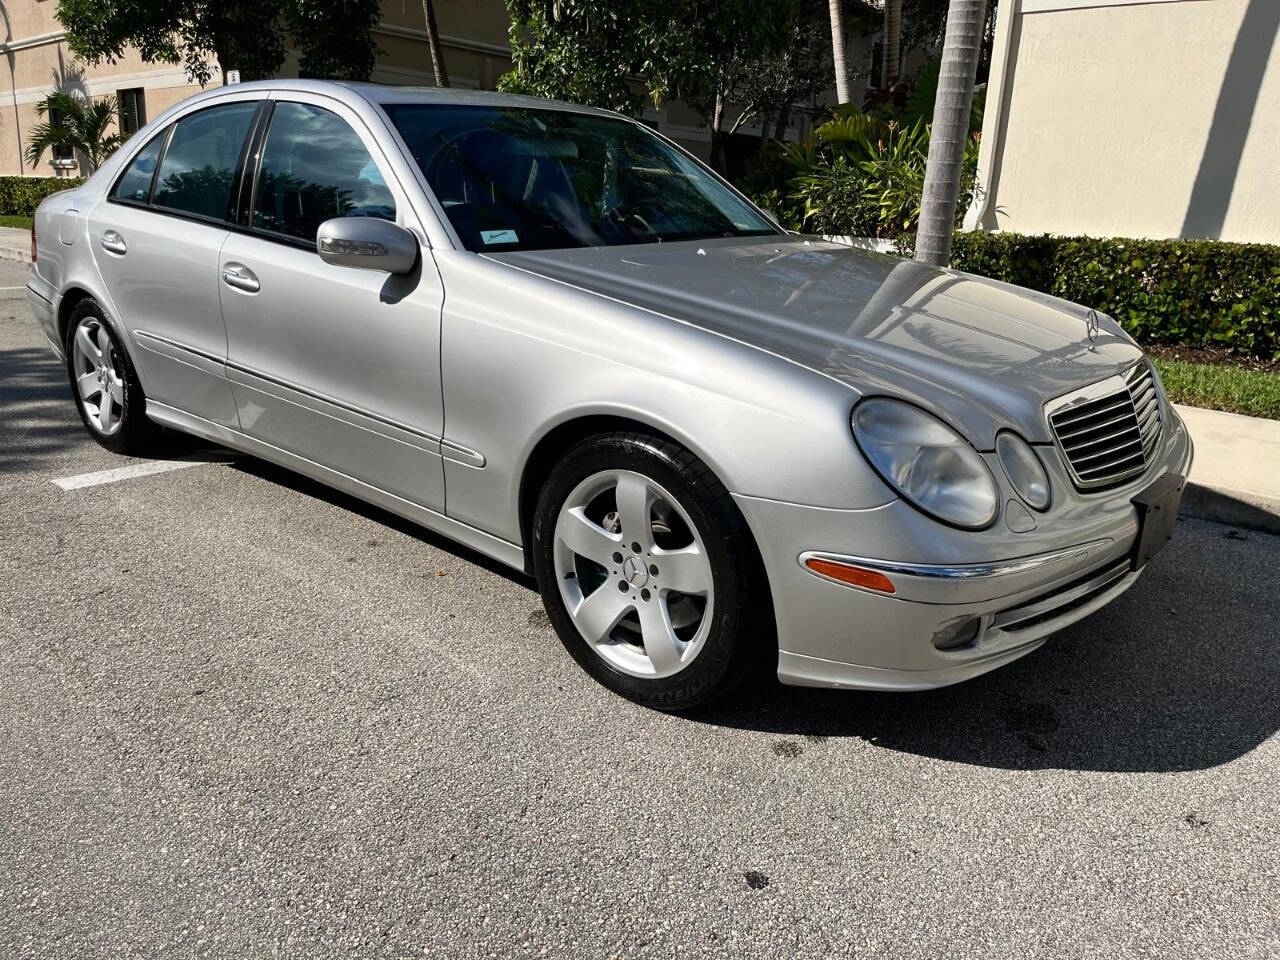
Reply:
x=77, y=121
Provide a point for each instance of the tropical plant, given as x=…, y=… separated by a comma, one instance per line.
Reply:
x=861, y=174
x=78, y=122
x=952, y=114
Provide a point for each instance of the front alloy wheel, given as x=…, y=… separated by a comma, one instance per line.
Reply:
x=648, y=572
x=633, y=574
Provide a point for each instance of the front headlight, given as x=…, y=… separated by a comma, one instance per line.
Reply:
x=928, y=463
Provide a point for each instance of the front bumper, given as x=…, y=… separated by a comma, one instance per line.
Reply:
x=1020, y=587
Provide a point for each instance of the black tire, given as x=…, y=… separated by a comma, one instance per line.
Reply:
x=742, y=630
x=135, y=435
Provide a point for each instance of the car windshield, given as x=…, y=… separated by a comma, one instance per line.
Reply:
x=520, y=178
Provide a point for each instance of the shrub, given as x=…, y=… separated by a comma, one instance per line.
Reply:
x=19, y=196
x=862, y=174
x=1193, y=292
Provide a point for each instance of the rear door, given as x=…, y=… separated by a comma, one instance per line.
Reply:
x=156, y=238
x=335, y=364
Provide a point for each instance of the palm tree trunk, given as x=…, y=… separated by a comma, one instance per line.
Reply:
x=838, y=51
x=892, y=41
x=961, y=49
x=433, y=42
x=717, y=135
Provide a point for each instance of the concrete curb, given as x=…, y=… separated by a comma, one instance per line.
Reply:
x=15, y=254
x=1232, y=507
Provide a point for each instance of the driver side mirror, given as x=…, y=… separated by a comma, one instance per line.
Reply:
x=367, y=243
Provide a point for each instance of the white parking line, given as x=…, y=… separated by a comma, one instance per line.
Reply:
x=126, y=473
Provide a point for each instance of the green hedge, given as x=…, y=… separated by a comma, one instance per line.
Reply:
x=1192, y=292
x=20, y=196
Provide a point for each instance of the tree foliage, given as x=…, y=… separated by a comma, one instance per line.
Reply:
x=731, y=60
x=334, y=38
x=76, y=121
x=612, y=55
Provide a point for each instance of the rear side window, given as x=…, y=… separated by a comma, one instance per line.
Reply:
x=314, y=168
x=200, y=164
x=135, y=183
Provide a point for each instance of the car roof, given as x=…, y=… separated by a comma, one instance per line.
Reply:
x=378, y=93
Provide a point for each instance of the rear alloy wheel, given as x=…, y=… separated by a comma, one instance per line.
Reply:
x=104, y=383
x=97, y=378
x=648, y=572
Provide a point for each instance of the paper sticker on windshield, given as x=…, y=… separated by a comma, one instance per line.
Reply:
x=499, y=236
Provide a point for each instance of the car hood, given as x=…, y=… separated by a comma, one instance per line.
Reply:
x=982, y=354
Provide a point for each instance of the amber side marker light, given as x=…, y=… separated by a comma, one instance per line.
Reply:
x=854, y=576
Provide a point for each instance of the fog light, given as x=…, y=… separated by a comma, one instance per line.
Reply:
x=958, y=633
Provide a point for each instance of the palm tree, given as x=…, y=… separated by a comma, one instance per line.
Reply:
x=838, y=51
x=892, y=41
x=79, y=122
x=961, y=49
x=433, y=44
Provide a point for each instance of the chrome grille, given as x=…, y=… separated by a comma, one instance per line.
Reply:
x=1108, y=439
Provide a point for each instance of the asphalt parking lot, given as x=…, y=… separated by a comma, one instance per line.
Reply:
x=242, y=716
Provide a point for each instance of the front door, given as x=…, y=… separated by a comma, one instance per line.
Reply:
x=339, y=365
x=156, y=239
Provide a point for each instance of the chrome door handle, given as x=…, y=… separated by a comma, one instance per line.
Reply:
x=241, y=277
x=113, y=242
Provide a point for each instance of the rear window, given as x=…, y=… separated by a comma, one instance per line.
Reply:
x=134, y=184
x=200, y=162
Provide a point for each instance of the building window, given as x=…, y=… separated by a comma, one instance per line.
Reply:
x=60, y=150
x=133, y=110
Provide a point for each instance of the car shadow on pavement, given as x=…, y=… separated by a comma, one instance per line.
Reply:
x=313, y=488
x=37, y=416
x=1181, y=673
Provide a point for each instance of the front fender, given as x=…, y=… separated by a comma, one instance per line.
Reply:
x=523, y=355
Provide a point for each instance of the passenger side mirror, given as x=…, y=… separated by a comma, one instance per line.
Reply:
x=368, y=243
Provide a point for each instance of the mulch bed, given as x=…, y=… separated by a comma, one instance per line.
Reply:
x=1213, y=355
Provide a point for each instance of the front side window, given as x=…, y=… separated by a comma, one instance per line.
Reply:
x=519, y=178
x=314, y=168
x=135, y=183
x=200, y=163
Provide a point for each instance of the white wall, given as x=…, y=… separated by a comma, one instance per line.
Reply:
x=1139, y=118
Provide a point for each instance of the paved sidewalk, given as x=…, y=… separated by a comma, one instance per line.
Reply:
x=15, y=244
x=1236, y=475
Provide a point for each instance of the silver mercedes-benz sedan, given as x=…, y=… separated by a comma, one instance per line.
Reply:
x=549, y=333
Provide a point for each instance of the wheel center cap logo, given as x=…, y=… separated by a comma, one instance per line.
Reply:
x=634, y=570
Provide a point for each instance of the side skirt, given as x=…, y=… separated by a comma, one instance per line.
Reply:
x=495, y=547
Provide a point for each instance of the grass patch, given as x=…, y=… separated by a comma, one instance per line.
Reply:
x=15, y=220
x=1236, y=389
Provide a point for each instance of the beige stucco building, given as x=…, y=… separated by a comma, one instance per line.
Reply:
x=473, y=34
x=1136, y=118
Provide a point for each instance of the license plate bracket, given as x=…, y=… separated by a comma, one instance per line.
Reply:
x=1157, y=508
